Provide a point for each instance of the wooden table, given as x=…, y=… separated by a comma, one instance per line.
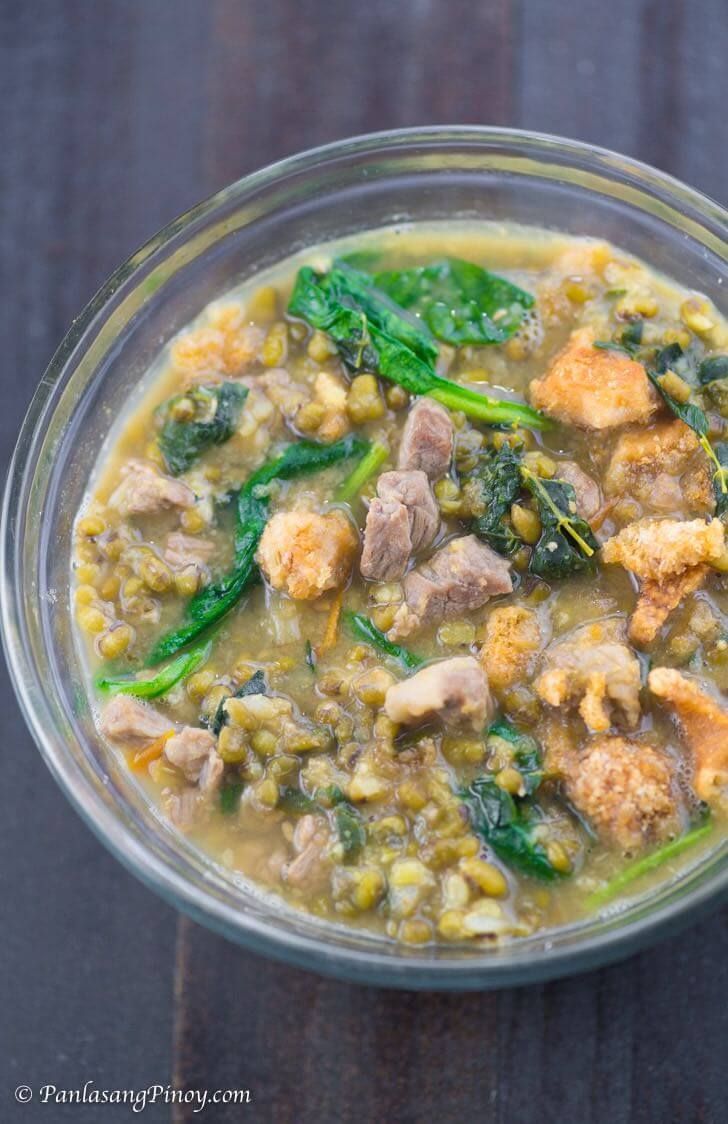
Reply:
x=115, y=117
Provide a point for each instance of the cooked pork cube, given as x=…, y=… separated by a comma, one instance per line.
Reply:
x=387, y=541
x=660, y=548
x=595, y=671
x=144, y=490
x=704, y=723
x=304, y=554
x=130, y=722
x=189, y=750
x=412, y=489
x=427, y=439
x=512, y=642
x=402, y=519
x=187, y=550
x=454, y=690
x=594, y=388
x=459, y=578
x=311, y=867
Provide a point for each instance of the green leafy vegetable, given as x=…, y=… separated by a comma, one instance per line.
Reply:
x=367, y=466
x=215, y=417
x=350, y=828
x=215, y=600
x=256, y=685
x=460, y=302
x=499, y=821
x=295, y=802
x=352, y=288
x=230, y=794
x=364, y=629
x=649, y=862
x=363, y=346
x=499, y=483
x=153, y=686
x=526, y=753
x=719, y=478
x=567, y=544
x=715, y=367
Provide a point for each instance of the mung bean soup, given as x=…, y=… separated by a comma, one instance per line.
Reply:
x=403, y=583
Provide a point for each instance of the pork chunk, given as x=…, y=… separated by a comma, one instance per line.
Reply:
x=144, y=490
x=659, y=548
x=304, y=554
x=704, y=724
x=311, y=867
x=183, y=550
x=459, y=578
x=387, y=541
x=595, y=671
x=189, y=750
x=128, y=721
x=454, y=690
x=663, y=468
x=627, y=791
x=412, y=489
x=427, y=439
x=593, y=388
x=512, y=642
x=403, y=519
x=586, y=490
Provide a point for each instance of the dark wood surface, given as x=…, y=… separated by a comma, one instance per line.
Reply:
x=115, y=117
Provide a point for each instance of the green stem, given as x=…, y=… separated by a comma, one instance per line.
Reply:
x=489, y=410
x=161, y=683
x=365, y=629
x=643, y=866
x=562, y=523
x=367, y=466
x=721, y=472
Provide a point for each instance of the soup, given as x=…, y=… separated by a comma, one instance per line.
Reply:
x=402, y=583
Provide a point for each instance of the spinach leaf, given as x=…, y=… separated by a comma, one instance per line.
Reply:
x=364, y=346
x=366, y=630
x=295, y=802
x=715, y=367
x=216, y=412
x=526, y=753
x=567, y=544
x=498, y=478
x=256, y=685
x=160, y=684
x=350, y=829
x=215, y=600
x=460, y=302
x=355, y=289
x=497, y=819
x=230, y=794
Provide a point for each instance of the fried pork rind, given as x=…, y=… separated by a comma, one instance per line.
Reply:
x=704, y=725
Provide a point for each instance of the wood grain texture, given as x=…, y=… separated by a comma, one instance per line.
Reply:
x=115, y=116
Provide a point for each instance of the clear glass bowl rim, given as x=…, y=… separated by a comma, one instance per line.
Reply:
x=324, y=955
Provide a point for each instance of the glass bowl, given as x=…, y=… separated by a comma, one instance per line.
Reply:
x=353, y=185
